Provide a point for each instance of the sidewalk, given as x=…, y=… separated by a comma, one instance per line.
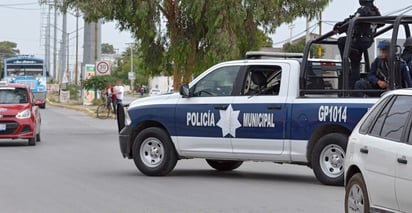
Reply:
x=89, y=109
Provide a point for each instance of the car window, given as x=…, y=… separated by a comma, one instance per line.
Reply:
x=262, y=80
x=377, y=126
x=394, y=120
x=220, y=82
x=13, y=96
x=410, y=136
x=371, y=116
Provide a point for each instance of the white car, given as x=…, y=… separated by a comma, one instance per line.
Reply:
x=378, y=164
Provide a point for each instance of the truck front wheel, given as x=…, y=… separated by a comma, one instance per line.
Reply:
x=154, y=153
x=328, y=158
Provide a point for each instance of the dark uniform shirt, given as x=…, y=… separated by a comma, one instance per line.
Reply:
x=380, y=71
x=363, y=29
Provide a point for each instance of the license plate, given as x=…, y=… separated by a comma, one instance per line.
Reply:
x=2, y=127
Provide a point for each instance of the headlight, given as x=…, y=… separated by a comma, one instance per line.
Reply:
x=24, y=114
x=127, y=119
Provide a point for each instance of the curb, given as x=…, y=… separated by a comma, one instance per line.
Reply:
x=73, y=107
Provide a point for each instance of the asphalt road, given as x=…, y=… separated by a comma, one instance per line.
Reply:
x=78, y=168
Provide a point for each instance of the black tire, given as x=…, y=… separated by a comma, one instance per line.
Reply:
x=43, y=106
x=356, y=195
x=224, y=165
x=32, y=141
x=162, y=158
x=38, y=139
x=328, y=156
x=102, y=111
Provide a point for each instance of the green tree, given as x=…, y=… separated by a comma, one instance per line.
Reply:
x=97, y=82
x=191, y=35
x=299, y=47
x=141, y=73
x=107, y=48
x=8, y=49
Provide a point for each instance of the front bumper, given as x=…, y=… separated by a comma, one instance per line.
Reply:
x=17, y=128
x=125, y=143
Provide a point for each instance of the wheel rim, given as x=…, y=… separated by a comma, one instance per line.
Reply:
x=152, y=152
x=331, y=160
x=103, y=112
x=356, y=202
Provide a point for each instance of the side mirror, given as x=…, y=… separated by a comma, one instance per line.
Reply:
x=184, y=91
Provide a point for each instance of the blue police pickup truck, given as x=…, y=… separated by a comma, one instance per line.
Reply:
x=247, y=110
x=267, y=107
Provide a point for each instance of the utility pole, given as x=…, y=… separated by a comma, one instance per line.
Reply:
x=64, y=46
x=307, y=30
x=47, y=44
x=55, y=42
x=291, y=26
x=76, y=68
x=131, y=74
x=68, y=74
x=131, y=68
x=320, y=51
x=320, y=23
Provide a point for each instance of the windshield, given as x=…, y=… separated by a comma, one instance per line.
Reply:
x=13, y=96
x=35, y=70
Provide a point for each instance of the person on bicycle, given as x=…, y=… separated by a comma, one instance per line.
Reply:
x=119, y=91
x=110, y=97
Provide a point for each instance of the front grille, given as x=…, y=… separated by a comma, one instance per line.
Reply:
x=7, y=116
x=30, y=83
x=11, y=127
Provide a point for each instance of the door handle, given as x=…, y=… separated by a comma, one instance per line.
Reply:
x=275, y=107
x=364, y=150
x=221, y=107
x=402, y=160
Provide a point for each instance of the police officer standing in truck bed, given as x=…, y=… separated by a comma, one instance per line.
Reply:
x=363, y=37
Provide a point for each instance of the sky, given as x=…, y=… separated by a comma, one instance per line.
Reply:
x=21, y=22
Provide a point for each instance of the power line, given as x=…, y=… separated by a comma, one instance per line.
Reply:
x=18, y=4
x=404, y=10
x=20, y=8
x=296, y=36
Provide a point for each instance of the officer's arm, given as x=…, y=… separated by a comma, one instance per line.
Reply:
x=405, y=75
x=338, y=26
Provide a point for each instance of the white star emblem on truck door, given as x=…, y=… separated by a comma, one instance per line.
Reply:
x=229, y=121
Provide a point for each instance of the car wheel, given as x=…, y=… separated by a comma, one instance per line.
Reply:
x=224, y=165
x=32, y=141
x=154, y=153
x=356, y=195
x=328, y=157
x=43, y=106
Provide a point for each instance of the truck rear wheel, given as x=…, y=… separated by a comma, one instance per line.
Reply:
x=154, y=153
x=224, y=165
x=328, y=158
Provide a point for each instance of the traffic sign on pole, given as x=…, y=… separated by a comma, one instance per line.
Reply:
x=102, y=68
x=131, y=76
